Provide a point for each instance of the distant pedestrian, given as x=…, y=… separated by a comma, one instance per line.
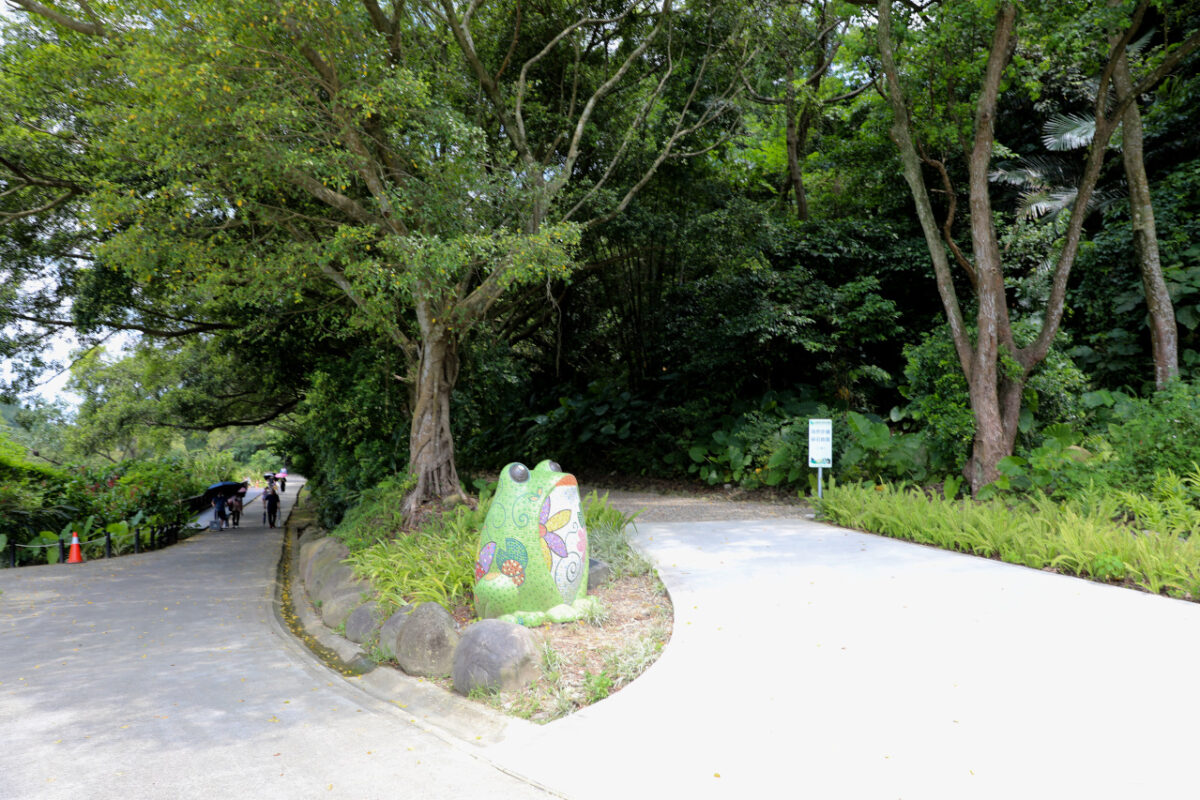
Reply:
x=271, y=499
x=282, y=480
x=220, y=503
x=235, y=510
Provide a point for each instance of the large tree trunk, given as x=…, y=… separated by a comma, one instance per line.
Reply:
x=431, y=445
x=1164, y=335
x=992, y=398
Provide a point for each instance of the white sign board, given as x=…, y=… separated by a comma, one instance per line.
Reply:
x=820, y=443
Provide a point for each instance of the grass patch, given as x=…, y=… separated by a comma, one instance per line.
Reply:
x=435, y=562
x=1096, y=535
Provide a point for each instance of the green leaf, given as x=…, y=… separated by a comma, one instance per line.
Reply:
x=698, y=453
x=778, y=459
x=1102, y=397
x=1187, y=316
x=734, y=453
x=1012, y=465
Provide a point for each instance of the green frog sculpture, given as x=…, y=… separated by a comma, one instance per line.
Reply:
x=532, y=566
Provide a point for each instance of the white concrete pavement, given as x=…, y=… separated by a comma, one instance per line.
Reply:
x=811, y=661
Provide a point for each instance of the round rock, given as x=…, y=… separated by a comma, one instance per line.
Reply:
x=363, y=622
x=425, y=646
x=497, y=656
x=389, y=632
x=598, y=573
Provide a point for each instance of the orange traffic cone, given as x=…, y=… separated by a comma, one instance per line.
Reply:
x=75, y=554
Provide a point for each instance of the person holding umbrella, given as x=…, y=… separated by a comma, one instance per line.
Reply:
x=220, y=504
x=220, y=492
x=282, y=476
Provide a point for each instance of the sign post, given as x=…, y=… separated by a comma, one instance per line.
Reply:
x=820, y=447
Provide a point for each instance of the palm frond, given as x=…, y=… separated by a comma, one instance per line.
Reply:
x=1045, y=202
x=1016, y=175
x=1139, y=45
x=1068, y=132
x=1103, y=199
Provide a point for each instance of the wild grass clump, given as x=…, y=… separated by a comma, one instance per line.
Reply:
x=1095, y=535
x=608, y=537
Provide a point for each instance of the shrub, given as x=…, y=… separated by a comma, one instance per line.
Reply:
x=761, y=443
x=1149, y=435
x=875, y=452
x=939, y=403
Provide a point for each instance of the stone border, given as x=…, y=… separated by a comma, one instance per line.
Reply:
x=427, y=705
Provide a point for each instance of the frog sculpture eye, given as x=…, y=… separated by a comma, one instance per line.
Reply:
x=532, y=563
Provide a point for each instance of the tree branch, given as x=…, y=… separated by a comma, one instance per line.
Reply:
x=93, y=28
x=911, y=162
x=58, y=201
x=328, y=196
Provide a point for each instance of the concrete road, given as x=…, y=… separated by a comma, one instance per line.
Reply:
x=806, y=661
x=168, y=675
x=811, y=661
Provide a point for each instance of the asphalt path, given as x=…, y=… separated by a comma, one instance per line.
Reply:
x=169, y=675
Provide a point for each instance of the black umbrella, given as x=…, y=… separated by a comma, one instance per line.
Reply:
x=221, y=487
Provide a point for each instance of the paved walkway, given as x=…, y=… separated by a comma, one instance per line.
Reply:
x=806, y=661
x=168, y=675
x=811, y=661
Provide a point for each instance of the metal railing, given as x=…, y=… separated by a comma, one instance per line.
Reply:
x=156, y=538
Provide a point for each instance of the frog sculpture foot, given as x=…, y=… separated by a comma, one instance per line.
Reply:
x=532, y=563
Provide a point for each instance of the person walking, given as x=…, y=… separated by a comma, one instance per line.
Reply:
x=271, y=503
x=282, y=476
x=235, y=510
x=220, y=503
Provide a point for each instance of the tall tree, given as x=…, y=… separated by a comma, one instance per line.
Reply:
x=996, y=368
x=291, y=148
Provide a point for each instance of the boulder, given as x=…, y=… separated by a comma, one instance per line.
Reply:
x=308, y=532
x=389, y=632
x=599, y=573
x=426, y=644
x=307, y=546
x=496, y=656
x=325, y=552
x=332, y=580
x=363, y=622
x=338, y=607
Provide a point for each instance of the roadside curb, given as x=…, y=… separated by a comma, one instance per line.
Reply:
x=448, y=716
